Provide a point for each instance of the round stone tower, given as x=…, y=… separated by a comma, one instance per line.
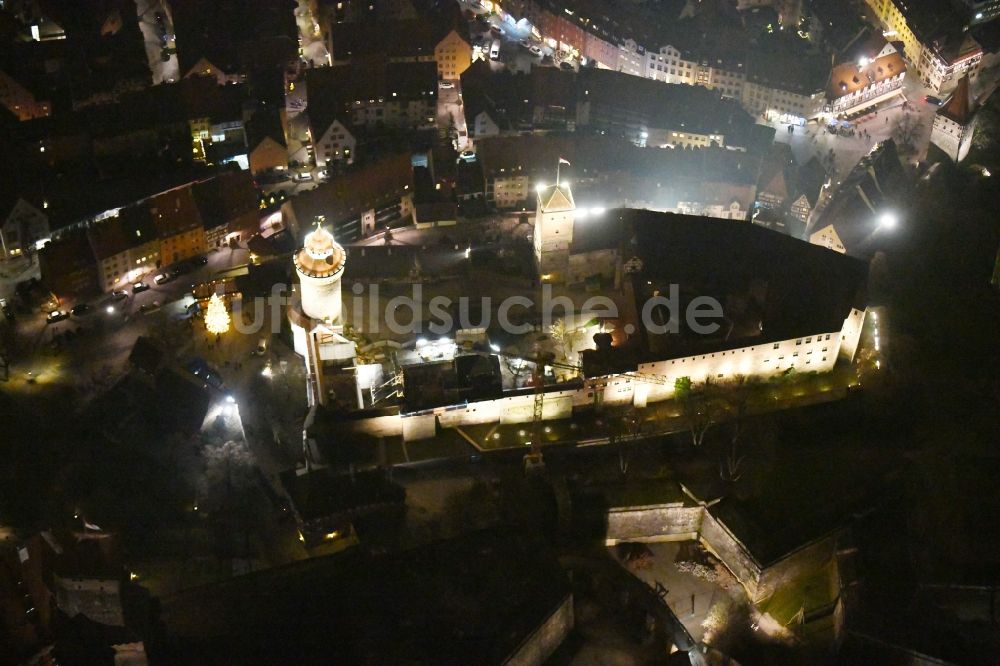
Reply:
x=320, y=265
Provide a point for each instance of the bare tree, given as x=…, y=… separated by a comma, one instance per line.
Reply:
x=906, y=130
x=700, y=407
x=624, y=429
x=737, y=394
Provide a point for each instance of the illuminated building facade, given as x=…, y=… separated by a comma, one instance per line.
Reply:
x=553, y=231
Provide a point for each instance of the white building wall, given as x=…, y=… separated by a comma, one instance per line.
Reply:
x=484, y=126
x=22, y=217
x=815, y=353
x=954, y=139
x=337, y=144
x=508, y=191
x=321, y=297
x=850, y=335
x=668, y=65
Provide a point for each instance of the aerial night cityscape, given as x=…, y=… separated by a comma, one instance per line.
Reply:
x=569, y=332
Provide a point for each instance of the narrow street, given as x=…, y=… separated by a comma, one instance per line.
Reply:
x=159, y=39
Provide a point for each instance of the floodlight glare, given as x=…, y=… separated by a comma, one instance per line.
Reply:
x=887, y=220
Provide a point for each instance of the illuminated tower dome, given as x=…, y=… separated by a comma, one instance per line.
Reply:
x=320, y=265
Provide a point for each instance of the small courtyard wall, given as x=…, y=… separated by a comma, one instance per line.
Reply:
x=656, y=522
x=731, y=551
x=539, y=646
x=802, y=561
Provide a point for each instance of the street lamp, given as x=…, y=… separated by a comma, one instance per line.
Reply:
x=888, y=220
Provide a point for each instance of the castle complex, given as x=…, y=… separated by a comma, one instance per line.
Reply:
x=787, y=306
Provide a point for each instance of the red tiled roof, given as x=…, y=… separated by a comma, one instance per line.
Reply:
x=175, y=212
x=961, y=105
x=848, y=77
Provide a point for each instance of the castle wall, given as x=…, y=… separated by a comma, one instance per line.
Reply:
x=815, y=353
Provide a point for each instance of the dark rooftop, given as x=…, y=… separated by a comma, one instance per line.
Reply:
x=407, y=38
x=877, y=183
x=319, y=494
x=470, y=600
x=664, y=106
x=333, y=91
x=787, y=287
x=133, y=226
x=344, y=198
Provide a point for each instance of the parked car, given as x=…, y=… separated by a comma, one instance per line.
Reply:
x=147, y=308
x=119, y=295
x=303, y=177
x=139, y=287
x=163, y=278
x=56, y=315
x=446, y=85
x=565, y=65
x=931, y=99
x=467, y=155
x=525, y=43
x=209, y=375
x=535, y=51
x=81, y=310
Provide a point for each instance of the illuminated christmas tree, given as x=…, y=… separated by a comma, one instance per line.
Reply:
x=216, y=318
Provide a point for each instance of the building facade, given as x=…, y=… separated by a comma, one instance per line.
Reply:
x=553, y=236
x=126, y=247
x=268, y=155
x=20, y=101
x=178, y=225
x=335, y=144
x=22, y=229
x=934, y=40
x=453, y=55
x=857, y=86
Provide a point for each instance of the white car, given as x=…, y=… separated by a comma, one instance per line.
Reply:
x=446, y=85
x=302, y=177
x=535, y=51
